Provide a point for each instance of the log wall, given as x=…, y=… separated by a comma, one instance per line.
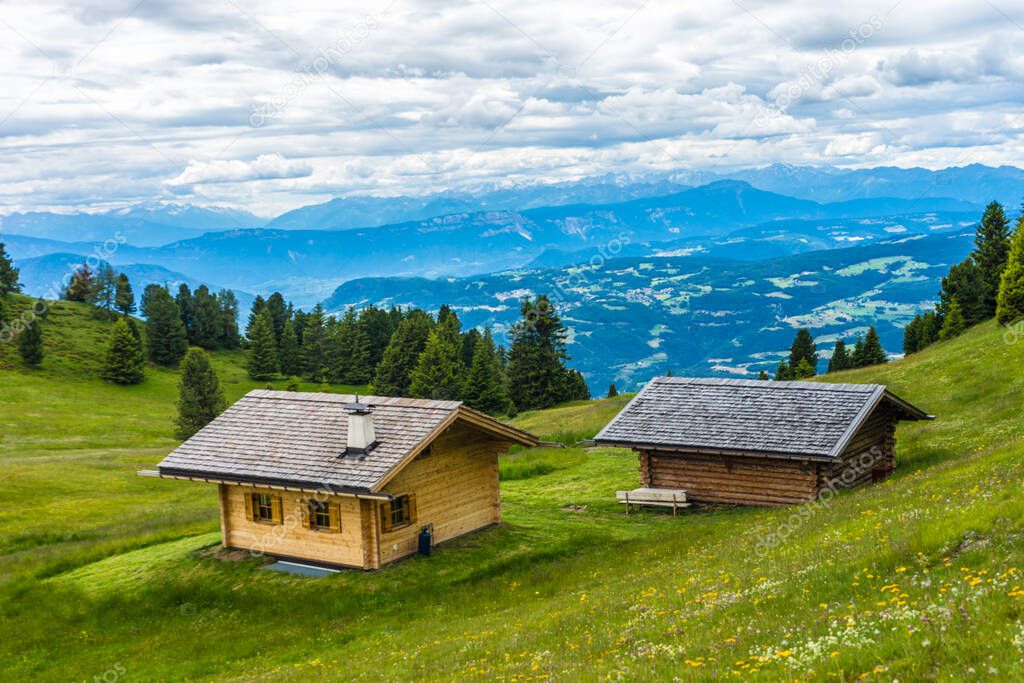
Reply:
x=455, y=488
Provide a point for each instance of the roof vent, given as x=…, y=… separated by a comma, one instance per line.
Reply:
x=361, y=435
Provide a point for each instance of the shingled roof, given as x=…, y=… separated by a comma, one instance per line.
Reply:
x=794, y=419
x=299, y=439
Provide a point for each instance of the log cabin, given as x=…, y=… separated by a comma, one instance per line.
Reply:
x=341, y=481
x=752, y=442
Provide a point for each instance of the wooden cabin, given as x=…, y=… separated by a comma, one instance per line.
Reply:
x=329, y=480
x=751, y=442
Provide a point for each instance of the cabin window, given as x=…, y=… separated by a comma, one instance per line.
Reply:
x=321, y=515
x=264, y=507
x=399, y=512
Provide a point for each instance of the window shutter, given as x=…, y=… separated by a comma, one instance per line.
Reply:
x=249, y=514
x=385, y=517
x=276, y=511
x=412, y=508
x=335, y=509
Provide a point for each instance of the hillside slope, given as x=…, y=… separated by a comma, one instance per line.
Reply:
x=914, y=578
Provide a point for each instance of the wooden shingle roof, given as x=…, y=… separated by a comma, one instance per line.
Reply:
x=791, y=419
x=299, y=439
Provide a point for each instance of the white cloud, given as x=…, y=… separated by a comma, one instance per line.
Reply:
x=98, y=108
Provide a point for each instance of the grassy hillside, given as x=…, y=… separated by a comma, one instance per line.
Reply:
x=918, y=577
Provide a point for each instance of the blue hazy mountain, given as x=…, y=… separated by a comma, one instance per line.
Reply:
x=635, y=316
x=143, y=225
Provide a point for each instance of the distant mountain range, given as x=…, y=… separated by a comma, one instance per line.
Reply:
x=634, y=317
x=306, y=265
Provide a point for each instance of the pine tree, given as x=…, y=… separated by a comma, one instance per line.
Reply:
x=536, y=366
x=263, y=349
x=762, y=375
x=147, y=297
x=227, y=302
x=469, y=339
x=1010, y=306
x=965, y=283
x=80, y=288
x=804, y=348
x=613, y=392
x=8, y=273
x=953, y=325
x=392, y=376
x=991, y=251
x=314, y=346
x=485, y=384
x=288, y=354
x=440, y=372
x=803, y=370
x=124, y=362
x=258, y=304
x=872, y=352
x=165, y=332
x=124, y=297
x=377, y=326
x=857, y=357
x=30, y=344
x=576, y=386
x=783, y=373
x=912, y=335
x=928, y=331
x=186, y=305
x=840, y=359
x=348, y=353
x=104, y=292
x=200, y=398
x=207, y=320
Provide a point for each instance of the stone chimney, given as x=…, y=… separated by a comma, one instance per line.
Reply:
x=361, y=435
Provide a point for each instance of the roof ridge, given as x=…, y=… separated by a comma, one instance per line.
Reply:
x=328, y=397
x=773, y=384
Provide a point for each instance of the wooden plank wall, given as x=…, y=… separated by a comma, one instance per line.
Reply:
x=292, y=539
x=738, y=480
x=857, y=465
x=456, y=489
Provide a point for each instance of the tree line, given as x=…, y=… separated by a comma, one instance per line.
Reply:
x=413, y=353
x=803, y=356
x=988, y=283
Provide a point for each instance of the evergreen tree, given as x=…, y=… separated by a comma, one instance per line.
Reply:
x=440, y=372
x=377, y=326
x=576, y=386
x=1010, y=306
x=8, y=274
x=228, y=304
x=953, y=325
x=991, y=250
x=804, y=348
x=165, y=332
x=783, y=373
x=124, y=361
x=469, y=339
x=186, y=306
x=314, y=346
x=207, y=319
x=258, y=304
x=147, y=297
x=80, y=288
x=762, y=375
x=803, y=370
x=263, y=349
x=485, y=384
x=392, y=376
x=200, y=398
x=124, y=297
x=965, y=283
x=104, y=292
x=840, y=359
x=30, y=344
x=871, y=351
x=857, y=357
x=613, y=392
x=928, y=331
x=279, y=315
x=348, y=354
x=288, y=353
x=536, y=365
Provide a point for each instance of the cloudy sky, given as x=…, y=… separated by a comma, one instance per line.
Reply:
x=270, y=105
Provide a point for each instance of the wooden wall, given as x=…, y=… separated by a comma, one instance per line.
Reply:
x=292, y=538
x=456, y=489
x=750, y=480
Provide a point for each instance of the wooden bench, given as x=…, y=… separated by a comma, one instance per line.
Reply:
x=669, y=498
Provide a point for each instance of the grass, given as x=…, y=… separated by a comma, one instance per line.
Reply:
x=915, y=578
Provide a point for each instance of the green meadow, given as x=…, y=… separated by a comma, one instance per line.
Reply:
x=105, y=575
